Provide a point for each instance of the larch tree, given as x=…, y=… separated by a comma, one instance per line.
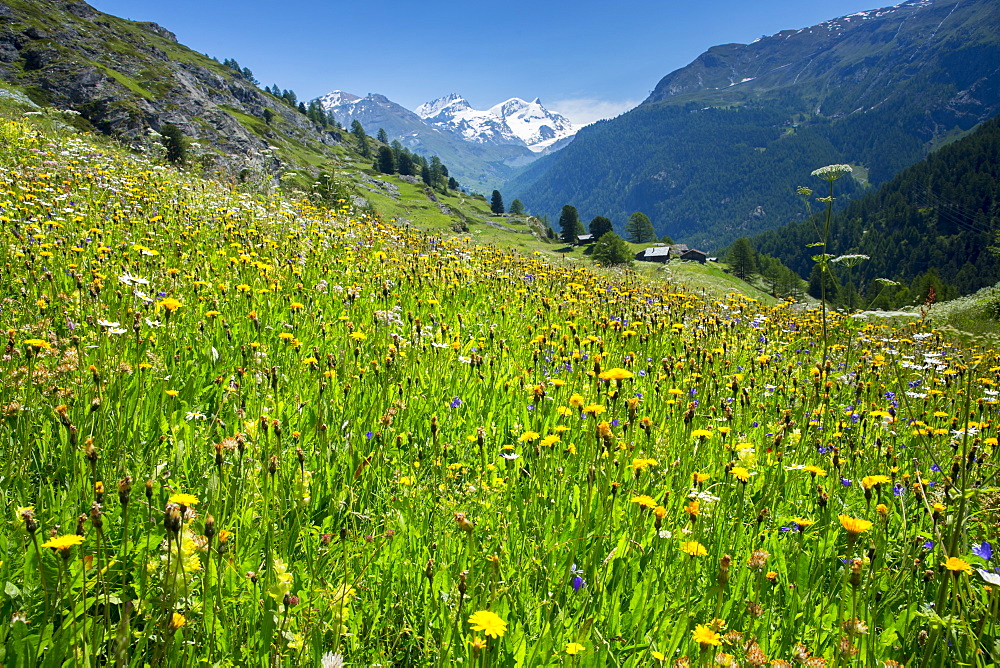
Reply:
x=569, y=224
x=639, y=228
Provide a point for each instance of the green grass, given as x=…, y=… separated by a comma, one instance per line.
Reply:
x=264, y=431
x=126, y=81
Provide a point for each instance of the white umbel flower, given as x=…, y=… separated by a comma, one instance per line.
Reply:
x=833, y=172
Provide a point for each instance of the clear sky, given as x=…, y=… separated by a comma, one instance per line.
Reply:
x=585, y=59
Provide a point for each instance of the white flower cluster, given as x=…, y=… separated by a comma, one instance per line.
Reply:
x=833, y=172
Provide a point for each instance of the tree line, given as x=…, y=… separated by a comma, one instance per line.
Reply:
x=394, y=158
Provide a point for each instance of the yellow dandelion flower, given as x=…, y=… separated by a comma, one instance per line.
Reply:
x=183, y=499
x=694, y=548
x=63, y=542
x=740, y=473
x=641, y=464
x=644, y=500
x=170, y=304
x=957, y=565
x=489, y=623
x=616, y=374
x=574, y=648
x=870, y=481
x=705, y=636
x=854, y=526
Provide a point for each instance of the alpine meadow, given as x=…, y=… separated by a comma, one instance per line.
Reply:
x=280, y=389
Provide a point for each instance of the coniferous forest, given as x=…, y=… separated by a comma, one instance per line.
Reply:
x=933, y=224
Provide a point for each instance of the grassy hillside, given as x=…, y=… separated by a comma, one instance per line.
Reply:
x=243, y=429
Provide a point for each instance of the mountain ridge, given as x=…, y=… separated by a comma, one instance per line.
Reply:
x=717, y=149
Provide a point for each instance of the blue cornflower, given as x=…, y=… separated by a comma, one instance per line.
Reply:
x=983, y=550
x=456, y=402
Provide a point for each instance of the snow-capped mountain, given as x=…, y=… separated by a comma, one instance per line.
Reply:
x=537, y=127
x=476, y=165
x=514, y=121
x=338, y=98
x=481, y=148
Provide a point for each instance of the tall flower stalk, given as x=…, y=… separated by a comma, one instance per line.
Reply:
x=830, y=173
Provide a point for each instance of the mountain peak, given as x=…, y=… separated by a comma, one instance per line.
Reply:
x=338, y=97
x=452, y=102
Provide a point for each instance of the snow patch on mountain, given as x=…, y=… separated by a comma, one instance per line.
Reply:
x=338, y=98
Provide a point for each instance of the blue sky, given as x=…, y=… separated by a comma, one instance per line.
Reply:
x=585, y=59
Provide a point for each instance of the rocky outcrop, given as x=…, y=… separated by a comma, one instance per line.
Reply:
x=127, y=78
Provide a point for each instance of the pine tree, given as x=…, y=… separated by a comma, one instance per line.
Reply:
x=386, y=161
x=438, y=171
x=405, y=163
x=817, y=279
x=359, y=133
x=600, y=226
x=496, y=203
x=569, y=224
x=611, y=250
x=175, y=143
x=383, y=136
x=639, y=229
x=742, y=259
